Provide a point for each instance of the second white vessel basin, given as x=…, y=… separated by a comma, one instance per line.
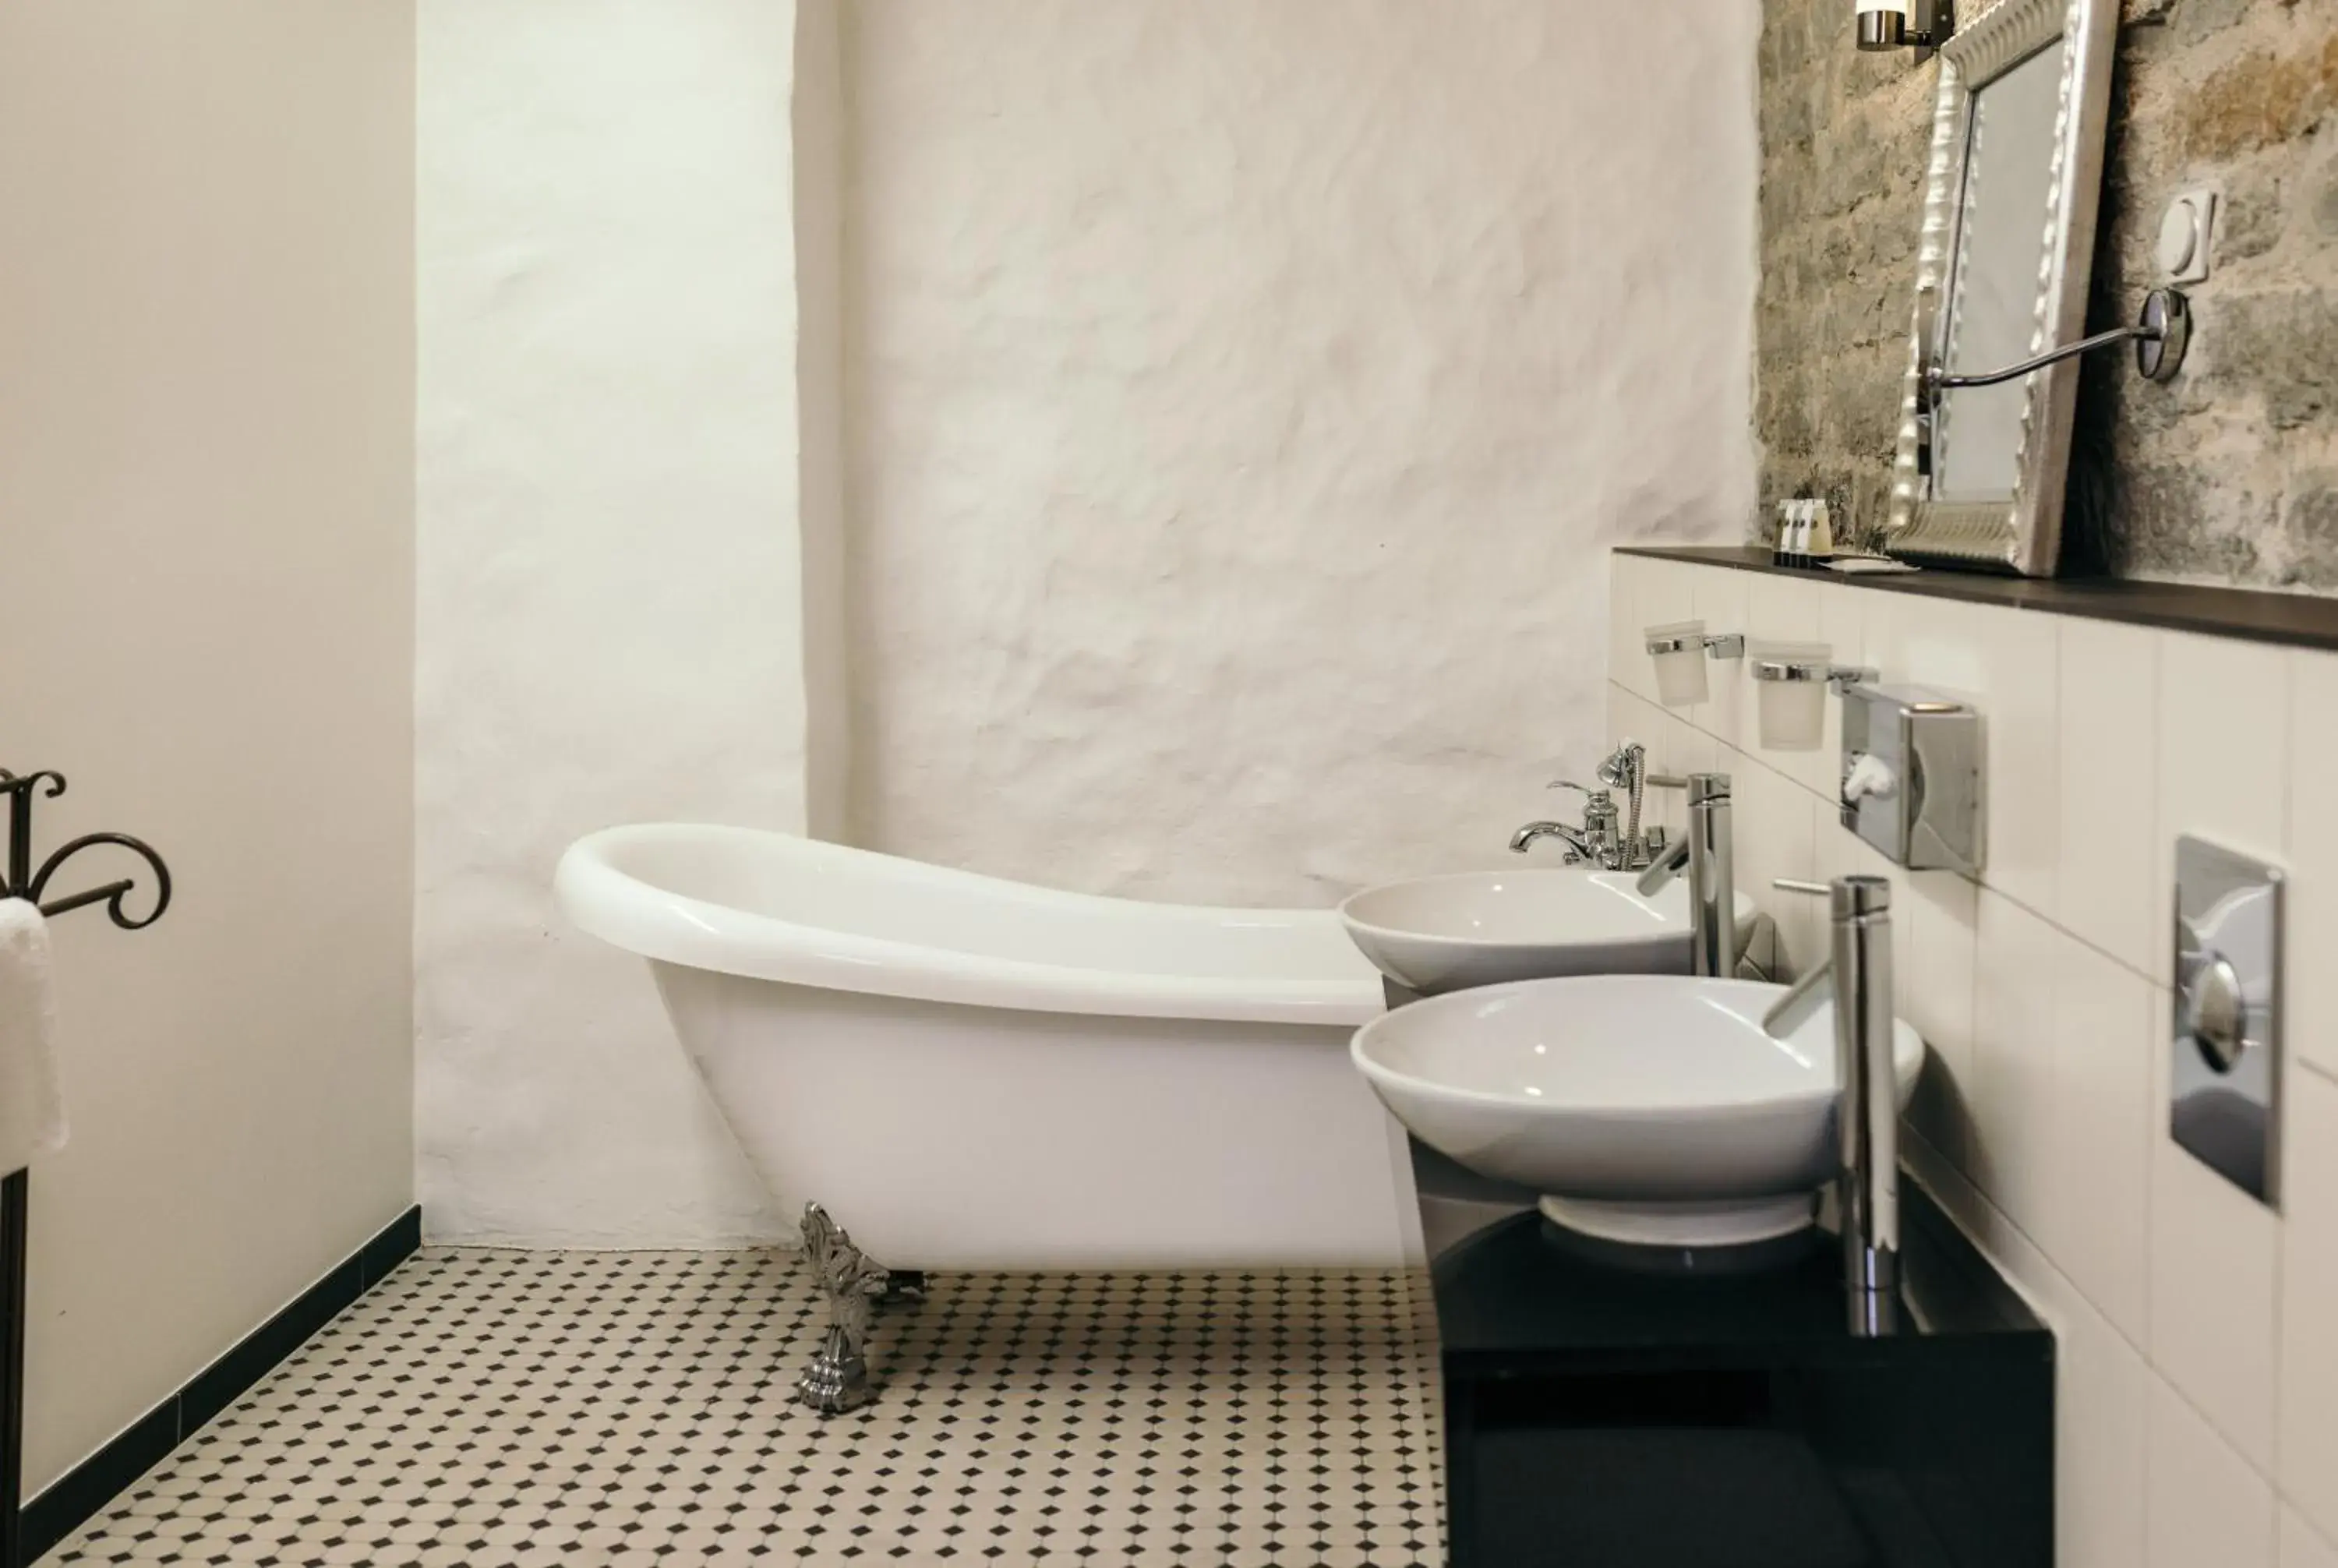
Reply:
x=1440, y=934
x=1644, y=1109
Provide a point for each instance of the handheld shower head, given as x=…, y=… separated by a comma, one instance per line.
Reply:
x=1616, y=770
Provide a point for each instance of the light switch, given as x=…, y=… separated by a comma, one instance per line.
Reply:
x=2186, y=229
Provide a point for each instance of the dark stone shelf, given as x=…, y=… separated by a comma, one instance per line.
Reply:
x=2292, y=620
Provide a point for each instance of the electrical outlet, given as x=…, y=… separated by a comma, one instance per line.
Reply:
x=2187, y=231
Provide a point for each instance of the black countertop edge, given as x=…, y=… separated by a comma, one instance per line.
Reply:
x=2254, y=615
x=1511, y=1304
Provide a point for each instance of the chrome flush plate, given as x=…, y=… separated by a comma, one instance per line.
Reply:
x=2224, y=1054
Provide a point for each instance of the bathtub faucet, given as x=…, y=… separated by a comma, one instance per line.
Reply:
x=1610, y=838
x=1581, y=844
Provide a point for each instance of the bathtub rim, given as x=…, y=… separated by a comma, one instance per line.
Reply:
x=651, y=922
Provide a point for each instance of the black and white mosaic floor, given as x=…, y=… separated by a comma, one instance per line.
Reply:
x=505, y=1409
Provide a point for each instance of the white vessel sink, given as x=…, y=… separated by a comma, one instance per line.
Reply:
x=1643, y=1109
x=1485, y=928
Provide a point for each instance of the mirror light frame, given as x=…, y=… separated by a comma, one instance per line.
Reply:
x=2022, y=533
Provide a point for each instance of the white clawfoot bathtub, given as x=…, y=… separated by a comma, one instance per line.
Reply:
x=971, y=1073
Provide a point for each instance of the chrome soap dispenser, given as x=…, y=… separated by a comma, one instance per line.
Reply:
x=1911, y=777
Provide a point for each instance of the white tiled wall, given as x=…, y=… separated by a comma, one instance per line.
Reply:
x=2197, y=1330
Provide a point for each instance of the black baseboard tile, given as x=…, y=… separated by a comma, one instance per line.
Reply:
x=220, y=1384
x=401, y=1239
x=85, y=1491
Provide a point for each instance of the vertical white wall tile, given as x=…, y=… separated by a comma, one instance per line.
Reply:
x=2019, y=701
x=1721, y=595
x=1781, y=609
x=1842, y=853
x=1940, y=912
x=1667, y=594
x=2207, y=1507
x=2312, y=846
x=2309, y=1297
x=2011, y=1153
x=1649, y=725
x=2101, y=1418
x=2215, y=1255
x=2224, y=757
x=2100, y=1385
x=1662, y=592
x=1624, y=620
x=1838, y=847
x=1647, y=722
x=1693, y=750
x=1842, y=616
x=2109, y=779
x=2302, y=1546
x=1926, y=643
x=2097, y=1214
x=1683, y=749
x=1786, y=610
x=1776, y=837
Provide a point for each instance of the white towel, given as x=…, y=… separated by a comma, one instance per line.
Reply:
x=32, y=1102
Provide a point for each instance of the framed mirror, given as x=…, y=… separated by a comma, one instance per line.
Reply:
x=2002, y=266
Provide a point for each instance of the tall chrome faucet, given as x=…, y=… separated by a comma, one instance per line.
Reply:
x=1707, y=852
x=1858, y=977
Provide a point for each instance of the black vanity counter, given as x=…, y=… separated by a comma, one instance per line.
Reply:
x=1600, y=1417
x=1509, y=1299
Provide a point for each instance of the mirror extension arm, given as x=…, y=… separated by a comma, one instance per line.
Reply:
x=2160, y=338
x=2039, y=361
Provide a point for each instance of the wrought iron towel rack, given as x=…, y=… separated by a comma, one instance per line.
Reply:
x=24, y=880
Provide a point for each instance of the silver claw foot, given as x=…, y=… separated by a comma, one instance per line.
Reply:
x=838, y=1379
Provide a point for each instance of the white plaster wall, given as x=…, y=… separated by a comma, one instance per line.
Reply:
x=817, y=127
x=1241, y=398
x=610, y=617
x=206, y=547
x=1130, y=444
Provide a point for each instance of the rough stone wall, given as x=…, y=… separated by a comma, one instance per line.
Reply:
x=1842, y=157
x=2230, y=473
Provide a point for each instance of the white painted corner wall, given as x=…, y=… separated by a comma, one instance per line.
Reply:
x=611, y=575
x=1160, y=446
x=206, y=540
x=1241, y=396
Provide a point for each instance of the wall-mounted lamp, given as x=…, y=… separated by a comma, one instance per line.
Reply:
x=1922, y=25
